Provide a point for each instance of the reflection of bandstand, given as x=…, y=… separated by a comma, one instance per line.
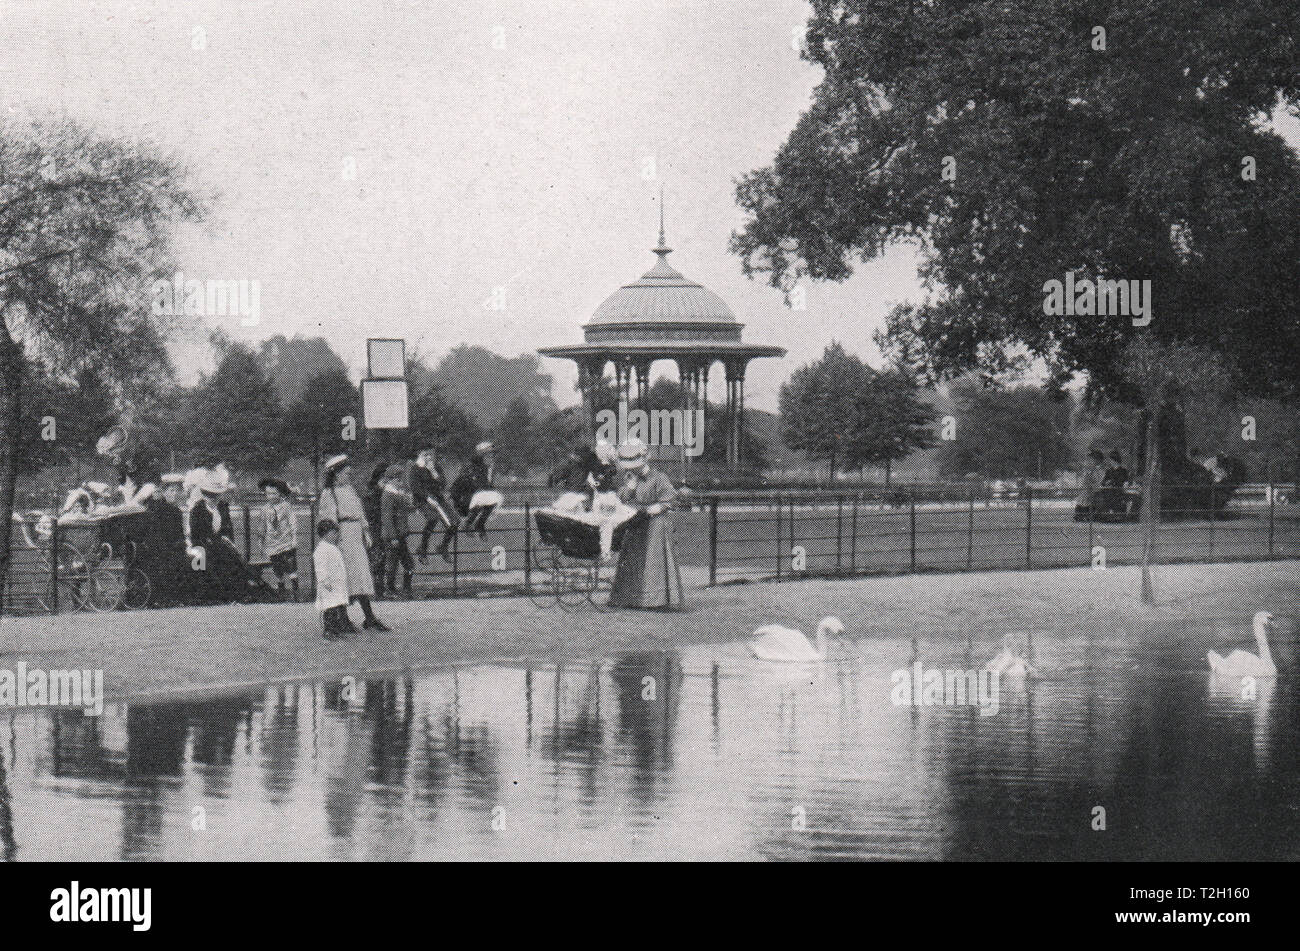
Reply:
x=665, y=316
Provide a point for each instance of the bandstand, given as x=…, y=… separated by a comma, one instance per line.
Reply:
x=665, y=316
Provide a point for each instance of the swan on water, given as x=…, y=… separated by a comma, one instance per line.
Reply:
x=777, y=643
x=1243, y=663
x=1010, y=661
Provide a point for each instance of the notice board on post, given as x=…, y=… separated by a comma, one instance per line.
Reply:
x=384, y=399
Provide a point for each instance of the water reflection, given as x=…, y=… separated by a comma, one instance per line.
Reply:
x=663, y=754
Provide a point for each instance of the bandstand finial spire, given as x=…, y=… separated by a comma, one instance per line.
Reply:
x=661, y=216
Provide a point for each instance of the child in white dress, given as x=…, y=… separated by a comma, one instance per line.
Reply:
x=331, y=582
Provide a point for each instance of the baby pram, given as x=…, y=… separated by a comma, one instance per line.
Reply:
x=569, y=558
x=97, y=558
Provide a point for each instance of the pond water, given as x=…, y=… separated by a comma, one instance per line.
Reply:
x=701, y=753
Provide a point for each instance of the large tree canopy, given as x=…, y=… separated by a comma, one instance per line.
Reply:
x=85, y=227
x=1128, y=162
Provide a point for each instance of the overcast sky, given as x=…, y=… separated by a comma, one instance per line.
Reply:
x=476, y=166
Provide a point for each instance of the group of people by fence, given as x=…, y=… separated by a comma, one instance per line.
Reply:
x=177, y=528
x=354, y=562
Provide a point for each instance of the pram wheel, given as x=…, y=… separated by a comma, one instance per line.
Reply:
x=104, y=591
x=137, y=591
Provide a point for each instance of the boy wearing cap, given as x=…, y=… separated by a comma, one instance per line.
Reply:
x=331, y=582
x=473, y=491
x=280, y=534
x=394, y=525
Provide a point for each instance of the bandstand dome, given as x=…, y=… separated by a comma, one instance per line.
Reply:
x=663, y=315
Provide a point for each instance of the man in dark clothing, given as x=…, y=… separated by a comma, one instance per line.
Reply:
x=477, y=479
x=428, y=487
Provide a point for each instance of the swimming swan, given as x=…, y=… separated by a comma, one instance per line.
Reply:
x=1010, y=661
x=1243, y=663
x=776, y=643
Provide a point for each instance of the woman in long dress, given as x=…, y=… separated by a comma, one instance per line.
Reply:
x=340, y=503
x=647, y=575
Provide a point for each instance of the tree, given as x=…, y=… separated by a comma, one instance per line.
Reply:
x=291, y=363
x=85, y=226
x=65, y=418
x=325, y=417
x=520, y=440
x=841, y=410
x=1004, y=433
x=1137, y=156
x=1167, y=375
x=237, y=415
x=436, y=420
x=484, y=384
x=893, y=422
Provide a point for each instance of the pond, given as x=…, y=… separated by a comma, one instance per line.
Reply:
x=703, y=753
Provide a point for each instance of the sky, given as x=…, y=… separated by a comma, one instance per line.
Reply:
x=496, y=144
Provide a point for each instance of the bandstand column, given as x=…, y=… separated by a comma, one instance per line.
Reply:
x=740, y=414
x=704, y=398
x=642, y=369
x=623, y=371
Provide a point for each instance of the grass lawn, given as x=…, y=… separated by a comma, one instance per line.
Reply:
x=188, y=649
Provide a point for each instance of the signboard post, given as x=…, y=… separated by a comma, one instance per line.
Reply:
x=383, y=391
x=384, y=397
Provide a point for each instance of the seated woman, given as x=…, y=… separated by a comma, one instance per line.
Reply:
x=227, y=575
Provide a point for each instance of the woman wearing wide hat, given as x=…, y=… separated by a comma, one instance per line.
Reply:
x=340, y=503
x=227, y=575
x=647, y=575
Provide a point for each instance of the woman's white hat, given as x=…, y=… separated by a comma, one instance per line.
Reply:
x=336, y=462
x=96, y=488
x=632, y=454
x=605, y=451
x=484, y=447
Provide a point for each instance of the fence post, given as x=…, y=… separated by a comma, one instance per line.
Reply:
x=970, y=529
x=839, y=533
x=1029, y=526
x=248, y=537
x=911, y=511
x=528, y=548
x=778, y=538
x=311, y=534
x=54, y=564
x=1212, y=521
x=790, y=508
x=1271, y=492
x=713, y=540
x=1092, y=538
x=853, y=558
x=455, y=562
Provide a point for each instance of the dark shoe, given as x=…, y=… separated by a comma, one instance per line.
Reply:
x=374, y=624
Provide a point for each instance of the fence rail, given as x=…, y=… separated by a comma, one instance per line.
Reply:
x=730, y=536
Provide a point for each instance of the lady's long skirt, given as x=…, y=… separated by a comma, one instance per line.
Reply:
x=647, y=575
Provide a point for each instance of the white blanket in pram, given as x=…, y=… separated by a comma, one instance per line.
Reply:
x=607, y=513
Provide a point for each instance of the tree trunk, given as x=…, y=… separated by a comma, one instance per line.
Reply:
x=887, y=461
x=11, y=411
x=1150, y=502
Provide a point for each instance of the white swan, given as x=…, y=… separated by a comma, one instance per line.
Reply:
x=1243, y=663
x=784, y=644
x=1010, y=661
